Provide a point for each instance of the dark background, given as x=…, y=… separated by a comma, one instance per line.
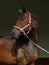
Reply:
x=39, y=8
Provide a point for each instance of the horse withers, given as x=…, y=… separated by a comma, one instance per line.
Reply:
x=26, y=24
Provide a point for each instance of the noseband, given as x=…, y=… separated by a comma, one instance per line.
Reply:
x=22, y=29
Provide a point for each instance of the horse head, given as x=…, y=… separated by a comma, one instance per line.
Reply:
x=23, y=23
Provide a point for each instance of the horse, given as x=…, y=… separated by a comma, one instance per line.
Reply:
x=27, y=52
x=6, y=55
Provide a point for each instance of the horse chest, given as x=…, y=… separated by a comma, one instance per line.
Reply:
x=29, y=48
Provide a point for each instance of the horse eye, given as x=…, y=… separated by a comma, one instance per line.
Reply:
x=22, y=18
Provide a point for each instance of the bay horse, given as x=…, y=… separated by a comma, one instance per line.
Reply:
x=18, y=48
x=26, y=24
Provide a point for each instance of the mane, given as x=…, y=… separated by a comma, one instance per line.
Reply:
x=34, y=16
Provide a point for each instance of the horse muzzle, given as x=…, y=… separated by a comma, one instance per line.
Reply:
x=16, y=34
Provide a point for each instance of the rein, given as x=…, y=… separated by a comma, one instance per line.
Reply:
x=22, y=30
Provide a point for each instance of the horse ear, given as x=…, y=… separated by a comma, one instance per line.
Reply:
x=24, y=10
x=20, y=10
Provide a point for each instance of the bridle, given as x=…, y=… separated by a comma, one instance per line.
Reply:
x=22, y=30
x=29, y=24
